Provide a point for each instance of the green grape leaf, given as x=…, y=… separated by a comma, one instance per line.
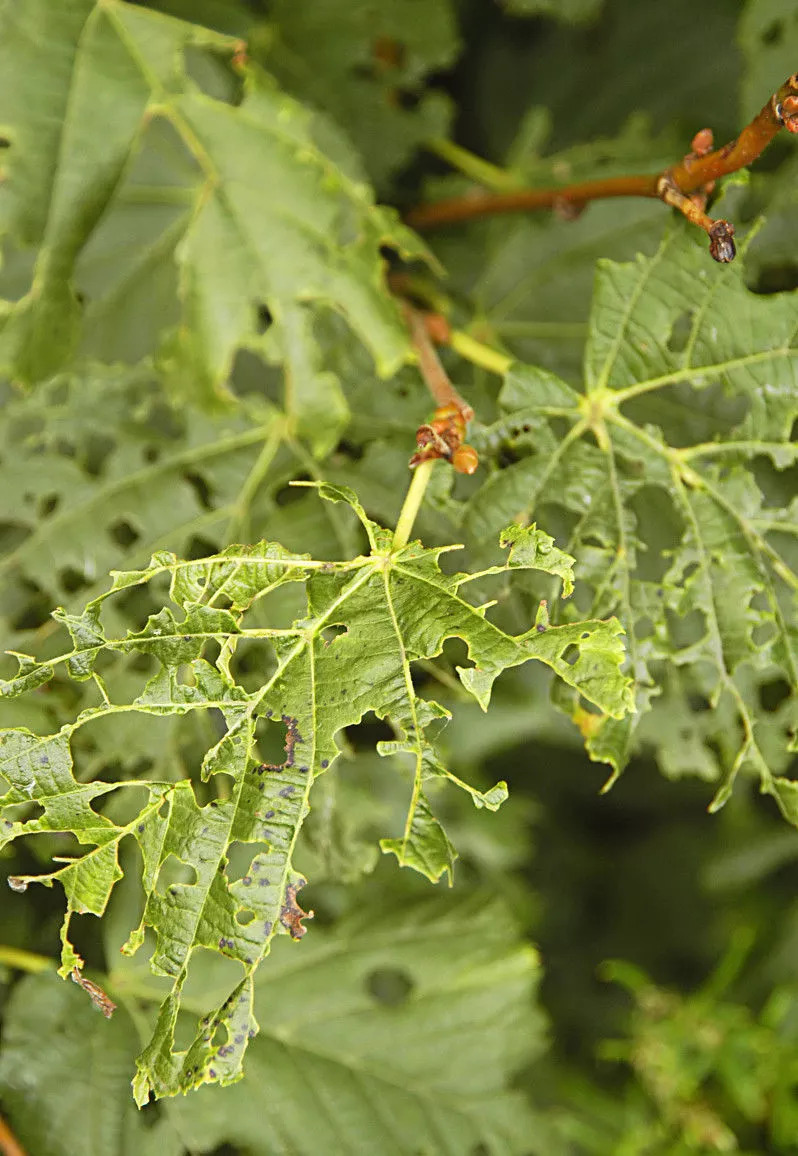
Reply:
x=670, y=474
x=352, y=1023
x=366, y=64
x=269, y=222
x=367, y=620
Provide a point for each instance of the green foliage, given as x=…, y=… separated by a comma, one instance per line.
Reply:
x=663, y=508
x=342, y=1064
x=364, y=622
x=234, y=167
x=707, y=1067
x=196, y=315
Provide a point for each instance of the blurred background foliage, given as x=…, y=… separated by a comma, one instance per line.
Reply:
x=690, y=1045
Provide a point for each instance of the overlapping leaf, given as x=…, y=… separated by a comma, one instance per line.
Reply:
x=367, y=620
x=671, y=474
x=267, y=220
x=344, y=1061
x=366, y=64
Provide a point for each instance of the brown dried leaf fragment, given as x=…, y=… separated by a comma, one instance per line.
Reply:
x=98, y=997
x=291, y=914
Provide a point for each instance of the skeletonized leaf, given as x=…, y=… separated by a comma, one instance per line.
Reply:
x=366, y=621
x=669, y=476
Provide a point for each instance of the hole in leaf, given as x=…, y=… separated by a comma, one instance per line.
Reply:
x=763, y=633
x=270, y=738
x=508, y=455
x=245, y=916
x=150, y=1114
x=389, y=986
x=21, y=813
x=350, y=450
x=680, y=332
x=72, y=580
x=289, y=495
x=330, y=633
x=570, y=654
x=408, y=101
x=123, y=534
x=773, y=694
x=213, y=75
x=199, y=547
x=659, y=529
x=265, y=320
x=644, y=627
x=776, y=278
x=240, y=857
x=368, y=732
x=174, y=872
x=202, y=490
x=48, y=505
x=37, y=610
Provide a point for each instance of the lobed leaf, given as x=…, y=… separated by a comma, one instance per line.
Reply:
x=669, y=478
x=366, y=622
x=268, y=220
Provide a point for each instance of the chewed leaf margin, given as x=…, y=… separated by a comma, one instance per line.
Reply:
x=393, y=607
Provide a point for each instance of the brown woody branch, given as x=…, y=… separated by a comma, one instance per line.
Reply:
x=685, y=186
x=9, y=1145
x=444, y=436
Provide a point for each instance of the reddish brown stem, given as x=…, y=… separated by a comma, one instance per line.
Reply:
x=9, y=1145
x=436, y=377
x=694, y=174
x=444, y=436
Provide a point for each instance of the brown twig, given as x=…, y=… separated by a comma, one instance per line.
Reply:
x=444, y=436
x=683, y=185
x=9, y=1145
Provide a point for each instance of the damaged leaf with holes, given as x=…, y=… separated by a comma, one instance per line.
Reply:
x=389, y=608
x=670, y=476
x=242, y=204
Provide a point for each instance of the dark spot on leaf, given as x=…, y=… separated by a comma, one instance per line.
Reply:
x=140, y=828
x=286, y=791
x=325, y=764
x=123, y=534
x=773, y=694
x=389, y=986
x=269, y=815
x=267, y=927
x=247, y=880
